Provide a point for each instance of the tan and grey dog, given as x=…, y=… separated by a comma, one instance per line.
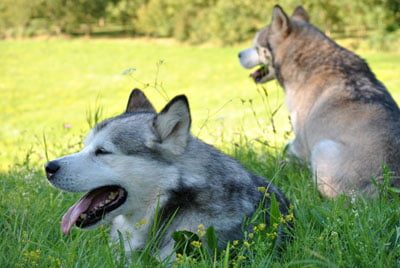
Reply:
x=345, y=121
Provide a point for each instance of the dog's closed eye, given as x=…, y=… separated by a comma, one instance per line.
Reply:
x=101, y=151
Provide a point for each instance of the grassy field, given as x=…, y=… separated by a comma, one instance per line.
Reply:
x=48, y=89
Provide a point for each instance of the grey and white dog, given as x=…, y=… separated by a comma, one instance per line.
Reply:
x=346, y=123
x=140, y=161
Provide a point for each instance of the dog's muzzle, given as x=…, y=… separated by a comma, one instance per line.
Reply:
x=249, y=58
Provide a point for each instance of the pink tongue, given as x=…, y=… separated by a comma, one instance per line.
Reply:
x=255, y=74
x=72, y=215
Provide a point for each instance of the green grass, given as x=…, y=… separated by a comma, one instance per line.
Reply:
x=47, y=90
x=328, y=233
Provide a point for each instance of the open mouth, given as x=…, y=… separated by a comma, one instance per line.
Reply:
x=260, y=73
x=93, y=206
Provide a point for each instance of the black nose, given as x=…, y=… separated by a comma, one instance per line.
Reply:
x=240, y=55
x=51, y=168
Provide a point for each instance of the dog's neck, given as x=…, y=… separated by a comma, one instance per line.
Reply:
x=298, y=69
x=297, y=61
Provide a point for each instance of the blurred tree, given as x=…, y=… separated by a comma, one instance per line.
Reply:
x=83, y=13
x=156, y=18
x=196, y=21
x=393, y=8
x=73, y=15
x=15, y=15
x=237, y=20
x=192, y=22
x=124, y=13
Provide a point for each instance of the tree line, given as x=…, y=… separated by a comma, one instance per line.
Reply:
x=194, y=21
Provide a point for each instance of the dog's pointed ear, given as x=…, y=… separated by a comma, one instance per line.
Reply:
x=280, y=22
x=138, y=102
x=300, y=14
x=172, y=126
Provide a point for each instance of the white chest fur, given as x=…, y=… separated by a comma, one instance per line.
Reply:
x=134, y=233
x=290, y=100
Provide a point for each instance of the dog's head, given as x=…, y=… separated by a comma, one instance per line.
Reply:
x=126, y=162
x=266, y=42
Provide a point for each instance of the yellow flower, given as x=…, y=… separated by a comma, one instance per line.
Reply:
x=32, y=256
x=54, y=260
x=241, y=258
x=235, y=242
x=192, y=260
x=271, y=235
x=261, y=189
x=179, y=258
x=246, y=244
x=201, y=230
x=251, y=235
x=141, y=223
x=261, y=226
x=196, y=244
x=289, y=217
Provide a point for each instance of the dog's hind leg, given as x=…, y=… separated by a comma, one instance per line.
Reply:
x=325, y=164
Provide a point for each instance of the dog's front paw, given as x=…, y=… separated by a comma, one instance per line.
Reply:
x=290, y=153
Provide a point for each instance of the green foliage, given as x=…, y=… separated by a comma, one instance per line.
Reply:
x=383, y=40
x=184, y=242
x=124, y=12
x=15, y=16
x=191, y=23
x=83, y=13
x=211, y=239
x=25, y=17
x=234, y=21
x=94, y=115
x=195, y=21
x=155, y=18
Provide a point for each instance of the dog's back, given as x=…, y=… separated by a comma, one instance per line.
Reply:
x=215, y=190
